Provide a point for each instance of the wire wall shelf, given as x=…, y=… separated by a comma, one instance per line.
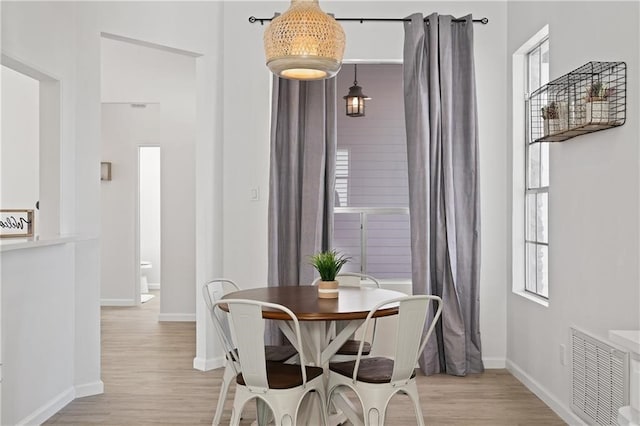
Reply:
x=588, y=99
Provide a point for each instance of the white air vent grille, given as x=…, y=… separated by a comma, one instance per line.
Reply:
x=600, y=379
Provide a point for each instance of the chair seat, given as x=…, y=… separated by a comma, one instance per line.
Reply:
x=279, y=353
x=285, y=376
x=372, y=370
x=351, y=347
x=275, y=353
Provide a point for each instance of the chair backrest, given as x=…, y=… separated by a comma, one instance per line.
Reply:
x=216, y=288
x=353, y=279
x=357, y=280
x=410, y=336
x=247, y=326
x=212, y=292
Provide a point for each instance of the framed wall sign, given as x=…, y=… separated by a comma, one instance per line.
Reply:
x=16, y=223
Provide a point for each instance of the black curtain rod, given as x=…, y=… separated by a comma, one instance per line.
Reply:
x=485, y=21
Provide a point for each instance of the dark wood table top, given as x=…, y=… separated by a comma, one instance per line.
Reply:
x=352, y=302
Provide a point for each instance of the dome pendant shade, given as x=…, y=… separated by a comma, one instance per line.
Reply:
x=304, y=43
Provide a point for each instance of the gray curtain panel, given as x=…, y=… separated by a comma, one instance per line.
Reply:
x=444, y=202
x=302, y=174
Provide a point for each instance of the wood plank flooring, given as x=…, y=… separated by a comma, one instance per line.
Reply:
x=147, y=369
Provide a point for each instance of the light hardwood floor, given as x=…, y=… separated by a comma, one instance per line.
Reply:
x=147, y=369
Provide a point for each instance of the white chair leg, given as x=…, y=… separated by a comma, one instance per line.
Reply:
x=323, y=407
x=227, y=377
x=283, y=418
x=263, y=412
x=374, y=406
x=412, y=392
x=235, y=417
x=373, y=416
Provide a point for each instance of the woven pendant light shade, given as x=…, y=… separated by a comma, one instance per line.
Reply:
x=304, y=43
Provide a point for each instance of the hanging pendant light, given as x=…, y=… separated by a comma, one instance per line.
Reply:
x=355, y=99
x=304, y=43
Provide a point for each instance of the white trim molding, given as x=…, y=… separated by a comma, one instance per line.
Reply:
x=494, y=363
x=203, y=364
x=547, y=397
x=44, y=412
x=117, y=302
x=177, y=317
x=89, y=389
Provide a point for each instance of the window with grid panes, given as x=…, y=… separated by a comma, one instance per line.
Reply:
x=537, y=185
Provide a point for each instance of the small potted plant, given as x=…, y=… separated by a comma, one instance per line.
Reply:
x=328, y=264
x=597, y=103
x=551, y=116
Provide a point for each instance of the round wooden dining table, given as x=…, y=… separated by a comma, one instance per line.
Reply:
x=315, y=314
x=351, y=303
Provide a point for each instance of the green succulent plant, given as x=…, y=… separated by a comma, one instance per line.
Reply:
x=328, y=264
x=597, y=91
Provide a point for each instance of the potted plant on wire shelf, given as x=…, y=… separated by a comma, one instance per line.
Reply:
x=597, y=103
x=328, y=264
x=551, y=116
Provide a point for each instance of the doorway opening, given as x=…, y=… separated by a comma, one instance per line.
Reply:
x=149, y=219
x=148, y=96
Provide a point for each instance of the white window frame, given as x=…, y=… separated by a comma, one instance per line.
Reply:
x=519, y=144
x=531, y=189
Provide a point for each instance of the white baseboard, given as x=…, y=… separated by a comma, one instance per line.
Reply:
x=547, y=397
x=154, y=286
x=177, y=317
x=88, y=389
x=51, y=407
x=117, y=302
x=494, y=363
x=206, y=364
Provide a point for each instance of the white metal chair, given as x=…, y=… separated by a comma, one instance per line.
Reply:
x=212, y=292
x=282, y=387
x=350, y=348
x=376, y=379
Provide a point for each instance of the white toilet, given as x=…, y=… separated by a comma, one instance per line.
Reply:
x=144, y=268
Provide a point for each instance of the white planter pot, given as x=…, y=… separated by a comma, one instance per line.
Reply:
x=554, y=125
x=597, y=112
x=328, y=289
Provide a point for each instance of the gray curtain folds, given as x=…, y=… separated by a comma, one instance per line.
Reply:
x=302, y=174
x=444, y=203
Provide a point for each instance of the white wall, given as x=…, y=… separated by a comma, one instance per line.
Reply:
x=135, y=73
x=20, y=141
x=37, y=314
x=64, y=280
x=246, y=147
x=594, y=205
x=150, y=230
